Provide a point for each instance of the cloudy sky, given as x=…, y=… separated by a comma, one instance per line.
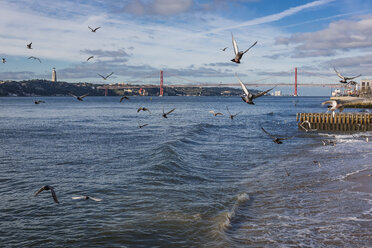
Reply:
x=138, y=38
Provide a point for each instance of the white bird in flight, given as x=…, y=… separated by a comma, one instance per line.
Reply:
x=215, y=113
x=334, y=106
x=85, y=197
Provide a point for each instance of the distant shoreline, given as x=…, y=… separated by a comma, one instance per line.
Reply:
x=39, y=88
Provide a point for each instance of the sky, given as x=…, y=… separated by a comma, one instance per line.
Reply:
x=184, y=38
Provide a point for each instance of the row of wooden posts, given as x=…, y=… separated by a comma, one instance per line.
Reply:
x=337, y=122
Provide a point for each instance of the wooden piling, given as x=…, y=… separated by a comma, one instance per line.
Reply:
x=338, y=122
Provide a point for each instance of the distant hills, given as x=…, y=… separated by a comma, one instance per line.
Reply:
x=38, y=87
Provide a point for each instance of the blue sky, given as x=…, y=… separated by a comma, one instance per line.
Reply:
x=138, y=38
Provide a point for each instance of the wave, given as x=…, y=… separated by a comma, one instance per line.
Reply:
x=224, y=219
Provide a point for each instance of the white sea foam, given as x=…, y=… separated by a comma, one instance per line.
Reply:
x=225, y=218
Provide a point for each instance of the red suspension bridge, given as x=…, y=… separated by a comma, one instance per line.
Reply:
x=193, y=83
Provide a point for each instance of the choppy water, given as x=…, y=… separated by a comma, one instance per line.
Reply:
x=192, y=180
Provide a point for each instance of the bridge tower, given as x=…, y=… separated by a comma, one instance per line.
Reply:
x=295, y=89
x=161, y=84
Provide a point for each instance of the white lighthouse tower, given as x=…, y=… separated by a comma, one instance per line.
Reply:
x=54, y=75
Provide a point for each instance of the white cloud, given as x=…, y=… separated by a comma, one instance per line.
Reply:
x=158, y=7
x=339, y=37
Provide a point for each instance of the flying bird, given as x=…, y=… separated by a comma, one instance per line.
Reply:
x=29, y=45
x=231, y=115
x=344, y=79
x=47, y=187
x=239, y=54
x=165, y=114
x=32, y=57
x=80, y=98
x=143, y=109
x=90, y=57
x=276, y=139
x=141, y=126
x=124, y=97
x=38, y=101
x=287, y=172
x=334, y=106
x=308, y=128
x=352, y=83
x=363, y=137
x=85, y=197
x=317, y=163
x=3, y=60
x=328, y=142
x=247, y=96
x=224, y=49
x=104, y=78
x=94, y=29
x=215, y=113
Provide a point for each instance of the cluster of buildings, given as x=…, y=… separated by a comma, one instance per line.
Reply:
x=362, y=89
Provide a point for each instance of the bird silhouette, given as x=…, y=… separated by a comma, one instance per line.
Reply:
x=3, y=60
x=165, y=115
x=276, y=139
x=231, y=115
x=80, y=98
x=215, y=113
x=124, y=97
x=345, y=79
x=328, y=142
x=38, y=101
x=47, y=187
x=32, y=57
x=143, y=109
x=94, y=29
x=365, y=137
x=317, y=163
x=247, y=96
x=104, y=78
x=29, y=45
x=239, y=54
x=85, y=197
x=224, y=49
x=141, y=126
x=90, y=57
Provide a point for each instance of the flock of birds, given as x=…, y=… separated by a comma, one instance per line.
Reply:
x=247, y=97
x=29, y=46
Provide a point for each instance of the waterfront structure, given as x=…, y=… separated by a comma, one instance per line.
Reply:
x=54, y=75
x=277, y=93
x=365, y=88
x=338, y=122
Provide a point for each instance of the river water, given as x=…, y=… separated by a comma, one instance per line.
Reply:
x=192, y=180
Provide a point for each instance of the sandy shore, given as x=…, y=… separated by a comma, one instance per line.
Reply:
x=364, y=179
